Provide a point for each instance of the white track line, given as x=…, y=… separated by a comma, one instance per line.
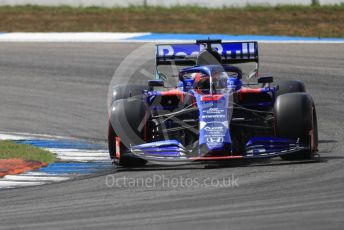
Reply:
x=79, y=152
x=67, y=37
x=27, y=178
x=29, y=136
x=11, y=184
x=80, y=155
x=30, y=173
x=13, y=137
x=84, y=159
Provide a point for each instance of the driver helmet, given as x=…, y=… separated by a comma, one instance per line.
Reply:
x=220, y=79
x=201, y=81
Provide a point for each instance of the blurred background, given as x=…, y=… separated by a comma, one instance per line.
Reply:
x=315, y=18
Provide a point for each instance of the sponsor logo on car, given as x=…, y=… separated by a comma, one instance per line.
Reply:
x=214, y=139
x=213, y=116
x=218, y=128
x=214, y=111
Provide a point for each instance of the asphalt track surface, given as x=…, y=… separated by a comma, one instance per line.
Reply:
x=61, y=89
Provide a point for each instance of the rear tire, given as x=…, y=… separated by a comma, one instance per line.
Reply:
x=295, y=118
x=127, y=91
x=290, y=86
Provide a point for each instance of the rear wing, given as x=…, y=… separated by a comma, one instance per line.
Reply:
x=186, y=54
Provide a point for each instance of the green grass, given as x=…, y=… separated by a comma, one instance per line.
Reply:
x=313, y=21
x=189, y=8
x=10, y=149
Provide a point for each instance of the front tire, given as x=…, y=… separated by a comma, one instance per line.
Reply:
x=123, y=160
x=295, y=118
x=125, y=123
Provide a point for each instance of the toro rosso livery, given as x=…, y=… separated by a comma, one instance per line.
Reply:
x=210, y=113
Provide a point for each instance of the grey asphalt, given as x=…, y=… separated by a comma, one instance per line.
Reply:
x=61, y=89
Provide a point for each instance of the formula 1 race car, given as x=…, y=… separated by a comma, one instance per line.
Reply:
x=211, y=114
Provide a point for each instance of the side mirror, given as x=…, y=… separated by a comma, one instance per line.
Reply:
x=155, y=83
x=265, y=80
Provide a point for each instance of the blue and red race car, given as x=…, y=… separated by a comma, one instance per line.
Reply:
x=211, y=114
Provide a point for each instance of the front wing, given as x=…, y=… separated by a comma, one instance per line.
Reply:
x=173, y=151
